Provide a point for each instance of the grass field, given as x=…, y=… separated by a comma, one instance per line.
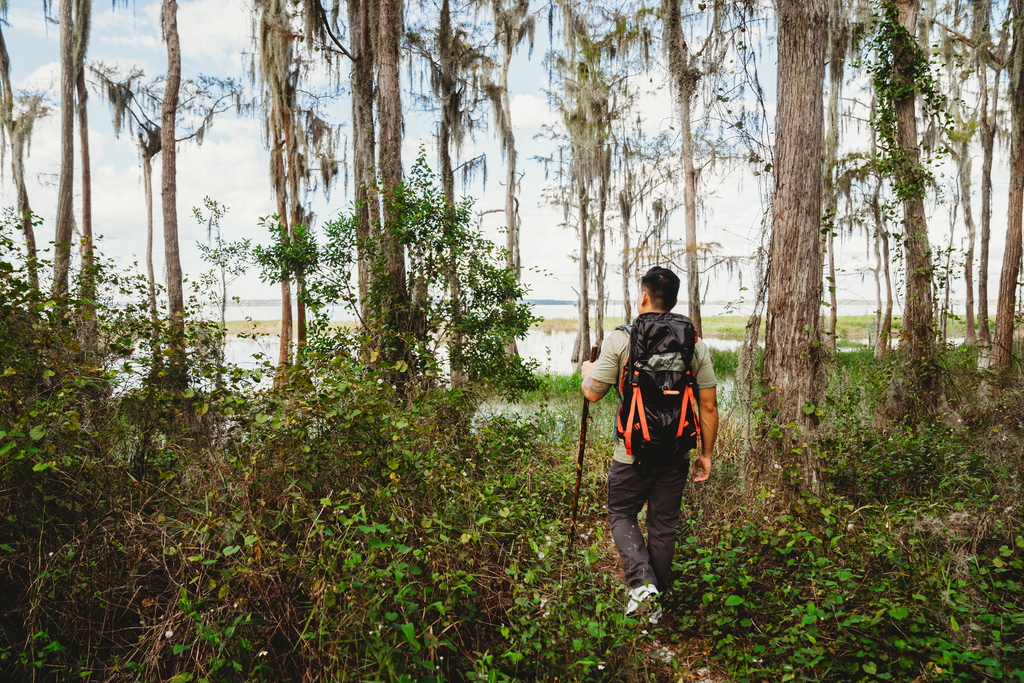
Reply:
x=853, y=327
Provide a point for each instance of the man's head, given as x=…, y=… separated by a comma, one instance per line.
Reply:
x=659, y=288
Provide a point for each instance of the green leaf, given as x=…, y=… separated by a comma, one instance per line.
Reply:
x=870, y=668
x=733, y=600
x=181, y=678
x=952, y=623
x=37, y=432
x=899, y=612
x=40, y=466
x=178, y=649
x=48, y=374
x=408, y=632
x=261, y=418
x=231, y=550
x=188, y=393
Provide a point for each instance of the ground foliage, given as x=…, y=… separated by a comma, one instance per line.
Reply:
x=333, y=526
x=337, y=527
x=910, y=567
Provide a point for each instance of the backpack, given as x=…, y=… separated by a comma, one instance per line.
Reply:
x=657, y=416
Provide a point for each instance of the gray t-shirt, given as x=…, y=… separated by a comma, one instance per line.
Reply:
x=613, y=359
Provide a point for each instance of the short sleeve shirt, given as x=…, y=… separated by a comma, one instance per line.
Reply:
x=613, y=359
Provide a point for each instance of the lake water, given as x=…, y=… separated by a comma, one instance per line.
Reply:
x=553, y=351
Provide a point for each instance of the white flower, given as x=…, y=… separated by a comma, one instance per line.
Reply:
x=540, y=554
x=263, y=653
x=168, y=633
x=849, y=526
x=600, y=667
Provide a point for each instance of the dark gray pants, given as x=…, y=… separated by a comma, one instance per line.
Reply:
x=650, y=561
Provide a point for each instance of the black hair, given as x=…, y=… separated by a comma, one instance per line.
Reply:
x=662, y=286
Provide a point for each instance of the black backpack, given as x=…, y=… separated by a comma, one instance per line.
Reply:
x=657, y=416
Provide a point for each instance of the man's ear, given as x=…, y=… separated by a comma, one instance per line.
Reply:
x=645, y=299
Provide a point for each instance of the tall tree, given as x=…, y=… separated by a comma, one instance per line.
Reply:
x=991, y=57
x=793, y=358
x=18, y=128
x=137, y=105
x=900, y=73
x=278, y=74
x=683, y=66
x=391, y=27
x=65, y=218
x=1002, y=339
x=840, y=33
x=363, y=25
x=169, y=194
x=83, y=27
x=513, y=24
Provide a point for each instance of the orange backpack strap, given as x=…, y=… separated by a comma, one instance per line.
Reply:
x=628, y=432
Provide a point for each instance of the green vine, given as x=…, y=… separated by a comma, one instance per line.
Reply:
x=901, y=69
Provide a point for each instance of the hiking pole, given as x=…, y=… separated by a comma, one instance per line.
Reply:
x=579, y=458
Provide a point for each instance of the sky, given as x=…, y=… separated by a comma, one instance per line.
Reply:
x=232, y=165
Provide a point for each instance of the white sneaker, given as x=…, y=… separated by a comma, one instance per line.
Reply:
x=642, y=602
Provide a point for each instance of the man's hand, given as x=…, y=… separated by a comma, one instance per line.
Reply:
x=586, y=369
x=708, y=399
x=702, y=467
x=593, y=391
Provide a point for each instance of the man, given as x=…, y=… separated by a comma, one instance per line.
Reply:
x=647, y=564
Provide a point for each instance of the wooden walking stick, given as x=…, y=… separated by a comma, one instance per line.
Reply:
x=579, y=458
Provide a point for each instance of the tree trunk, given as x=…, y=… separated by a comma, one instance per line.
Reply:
x=284, y=349
x=987, y=120
x=449, y=117
x=918, y=337
x=15, y=136
x=147, y=179
x=793, y=361
x=830, y=200
x=882, y=235
x=942, y=310
x=169, y=195
x=964, y=171
x=83, y=132
x=389, y=103
x=685, y=78
x=599, y=266
x=65, y=217
x=1002, y=340
x=625, y=210
x=293, y=157
x=363, y=137
x=88, y=331
x=580, y=353
x=509, y=145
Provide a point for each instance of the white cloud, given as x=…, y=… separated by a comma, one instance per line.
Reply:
x=45, y=77
x=214, y=33
x=531, y=113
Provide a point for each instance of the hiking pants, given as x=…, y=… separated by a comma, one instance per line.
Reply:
x=650, y=561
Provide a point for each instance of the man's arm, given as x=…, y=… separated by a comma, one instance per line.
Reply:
x=708, y=399
x=592, y=389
